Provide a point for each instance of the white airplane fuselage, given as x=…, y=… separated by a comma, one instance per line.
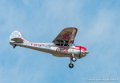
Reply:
x=59, y=51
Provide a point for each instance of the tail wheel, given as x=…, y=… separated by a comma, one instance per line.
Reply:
x=14, y=46
x=71, y=65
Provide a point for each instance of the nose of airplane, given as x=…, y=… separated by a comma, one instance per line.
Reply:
x=83, y=49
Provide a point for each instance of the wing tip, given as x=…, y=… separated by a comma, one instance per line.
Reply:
x=71, y=28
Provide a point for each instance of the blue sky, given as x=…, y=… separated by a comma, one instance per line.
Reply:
x=98, y=22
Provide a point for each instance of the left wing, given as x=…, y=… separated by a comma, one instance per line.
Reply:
x=66, y=37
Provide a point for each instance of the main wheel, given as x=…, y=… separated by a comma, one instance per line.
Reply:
x=73, y=59
x=71, y=65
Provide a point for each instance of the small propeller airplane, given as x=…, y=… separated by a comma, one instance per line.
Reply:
x=61, y=46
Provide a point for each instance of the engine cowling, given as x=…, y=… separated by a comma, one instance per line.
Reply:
x=83, y=50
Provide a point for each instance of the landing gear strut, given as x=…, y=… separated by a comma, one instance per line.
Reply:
x=72, y=59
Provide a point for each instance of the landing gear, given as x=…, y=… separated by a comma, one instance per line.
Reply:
x=14, y=46
x=74, y=59
x=71, y=65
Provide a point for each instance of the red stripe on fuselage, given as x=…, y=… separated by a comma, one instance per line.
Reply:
x=80, y=48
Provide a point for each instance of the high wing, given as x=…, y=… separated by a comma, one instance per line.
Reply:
x=66, y=37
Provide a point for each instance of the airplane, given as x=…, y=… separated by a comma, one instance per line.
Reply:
x=62, y=46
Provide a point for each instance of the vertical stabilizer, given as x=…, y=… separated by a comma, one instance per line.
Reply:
x=16, y=37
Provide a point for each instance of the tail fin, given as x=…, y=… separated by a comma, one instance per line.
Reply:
x=16, y=37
